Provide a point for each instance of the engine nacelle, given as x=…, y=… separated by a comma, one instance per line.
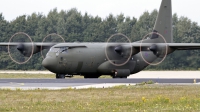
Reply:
x=159, y=50
x=126, y=50
x=27, y=49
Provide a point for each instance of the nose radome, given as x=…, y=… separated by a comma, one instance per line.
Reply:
x=49, y=63
x=44, y=63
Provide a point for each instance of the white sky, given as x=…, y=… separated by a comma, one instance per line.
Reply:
x=133, y=8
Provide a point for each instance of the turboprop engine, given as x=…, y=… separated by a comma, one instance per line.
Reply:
x=27, y=49
x=160, y=50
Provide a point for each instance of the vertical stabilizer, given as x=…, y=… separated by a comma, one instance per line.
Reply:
x=163, y=23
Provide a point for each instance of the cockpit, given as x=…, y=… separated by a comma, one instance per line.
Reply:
x=54, y=49
x=59, y=50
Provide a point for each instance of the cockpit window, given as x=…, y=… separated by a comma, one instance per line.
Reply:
x=59, y=50
x=54, y=50
x=63, y=49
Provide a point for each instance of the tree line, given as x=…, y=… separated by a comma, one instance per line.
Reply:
x=74, y=26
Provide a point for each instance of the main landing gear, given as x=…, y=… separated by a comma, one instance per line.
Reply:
x=114, y=76
x=122, y=77
x=91, y=76
x=62, y=76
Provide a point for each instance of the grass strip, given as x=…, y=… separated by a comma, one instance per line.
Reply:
x=141, y=98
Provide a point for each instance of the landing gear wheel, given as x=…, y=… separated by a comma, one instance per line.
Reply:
x=60, y=76
x=91, y=76
x=122, y=77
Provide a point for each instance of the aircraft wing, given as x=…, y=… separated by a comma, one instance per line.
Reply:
x=37, y=44
x=10, y=44
x=176, y=46
x=184, y=46
x=43, y=45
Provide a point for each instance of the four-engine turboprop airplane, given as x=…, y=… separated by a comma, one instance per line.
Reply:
x=118, y=60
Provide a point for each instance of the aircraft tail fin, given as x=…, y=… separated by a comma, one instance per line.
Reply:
x=163, y=23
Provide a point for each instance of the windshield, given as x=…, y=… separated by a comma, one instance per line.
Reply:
x=54, y=49
x=59, y=50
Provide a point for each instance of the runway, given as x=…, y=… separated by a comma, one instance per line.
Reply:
x=158, y=77
x=97, y=81
x=55, y=84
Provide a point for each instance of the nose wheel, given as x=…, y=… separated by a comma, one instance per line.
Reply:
x=60, y=76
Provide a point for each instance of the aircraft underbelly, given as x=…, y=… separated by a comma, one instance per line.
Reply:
x=143, y=61
x=107, y=68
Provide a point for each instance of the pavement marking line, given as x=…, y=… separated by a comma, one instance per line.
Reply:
x=16, y=84
x=73, y=87
x=105, y=85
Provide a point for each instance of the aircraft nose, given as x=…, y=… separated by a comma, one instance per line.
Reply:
x=49, y=63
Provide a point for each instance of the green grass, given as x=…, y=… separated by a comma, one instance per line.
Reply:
x=147, y=98
x=144, y=83
x=31, y=76
x=17, y=75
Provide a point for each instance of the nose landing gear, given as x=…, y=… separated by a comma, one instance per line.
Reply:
x=60, y=76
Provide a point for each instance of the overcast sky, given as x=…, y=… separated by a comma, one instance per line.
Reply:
x=133, y=8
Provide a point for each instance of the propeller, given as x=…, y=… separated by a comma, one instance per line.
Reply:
x=158, y=48
x=118, y=53
x=22, y=51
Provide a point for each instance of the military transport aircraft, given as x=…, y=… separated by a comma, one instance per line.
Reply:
x=116, y=59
